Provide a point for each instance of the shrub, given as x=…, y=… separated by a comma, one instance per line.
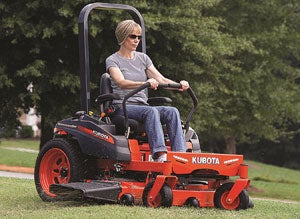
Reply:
x=26, y=132
x=8, y=132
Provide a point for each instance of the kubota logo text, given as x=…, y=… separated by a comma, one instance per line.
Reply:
x=206, y=160
x=97, y=134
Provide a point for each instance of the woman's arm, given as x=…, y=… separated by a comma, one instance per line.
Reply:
x=152, y=72
x=123, y=83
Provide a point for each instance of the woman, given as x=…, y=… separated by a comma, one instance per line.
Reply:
x=130, y=69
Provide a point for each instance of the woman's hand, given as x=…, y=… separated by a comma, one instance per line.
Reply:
x=184, y=85
x=153, y=83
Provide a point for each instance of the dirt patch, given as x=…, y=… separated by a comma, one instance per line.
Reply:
x=253, y=189
x=253, y=166
x=16, y=169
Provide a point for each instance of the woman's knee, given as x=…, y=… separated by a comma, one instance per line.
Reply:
x=174, y=110
x=173, y=113
x=151, y=112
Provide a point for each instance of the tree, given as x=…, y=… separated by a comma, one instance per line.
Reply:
x=268, y=89
x=39, y=40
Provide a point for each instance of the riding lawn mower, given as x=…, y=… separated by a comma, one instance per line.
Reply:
x=107, y=158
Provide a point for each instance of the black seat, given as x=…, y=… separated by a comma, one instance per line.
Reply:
x=118, y=120
x=107, y=95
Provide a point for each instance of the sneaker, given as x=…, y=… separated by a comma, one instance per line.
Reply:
x=162, y=158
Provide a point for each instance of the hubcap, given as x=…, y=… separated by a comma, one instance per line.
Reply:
x=54, y=169
x=224, y=201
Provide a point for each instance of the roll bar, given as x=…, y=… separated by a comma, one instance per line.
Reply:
x=84, y=59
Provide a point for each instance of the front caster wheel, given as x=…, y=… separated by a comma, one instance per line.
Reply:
x=192, y=202
x=163, y=199
x=127, y=199
x=220, y=198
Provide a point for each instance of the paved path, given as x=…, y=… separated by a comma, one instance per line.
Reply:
x=16, y=175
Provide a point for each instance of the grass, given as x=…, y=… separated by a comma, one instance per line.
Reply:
x=21, y=143
x=12, y=157
x=20, y=200
x=274, y=182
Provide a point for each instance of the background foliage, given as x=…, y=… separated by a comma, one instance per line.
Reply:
x=241, y=58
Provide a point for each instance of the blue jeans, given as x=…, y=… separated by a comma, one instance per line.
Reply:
x=152, y=117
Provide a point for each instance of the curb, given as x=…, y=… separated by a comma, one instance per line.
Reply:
x=16, y=169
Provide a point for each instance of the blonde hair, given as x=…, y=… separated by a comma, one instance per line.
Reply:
x=124, y=29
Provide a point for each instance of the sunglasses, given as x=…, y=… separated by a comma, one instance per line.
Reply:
x=133, y=36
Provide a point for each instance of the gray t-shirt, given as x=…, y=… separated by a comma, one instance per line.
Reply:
x=132, y=69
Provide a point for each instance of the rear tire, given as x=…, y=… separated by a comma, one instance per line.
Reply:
x=58, y=162
x=220, y=197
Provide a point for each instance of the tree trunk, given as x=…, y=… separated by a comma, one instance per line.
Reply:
x=231, y=145
x=46, y=118
x=46, y=131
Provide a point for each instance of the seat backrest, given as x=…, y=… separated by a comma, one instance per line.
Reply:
x=105, y=88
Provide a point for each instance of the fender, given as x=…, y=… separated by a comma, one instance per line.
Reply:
x=96, y=140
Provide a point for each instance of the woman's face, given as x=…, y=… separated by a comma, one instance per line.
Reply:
x=133, y=39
